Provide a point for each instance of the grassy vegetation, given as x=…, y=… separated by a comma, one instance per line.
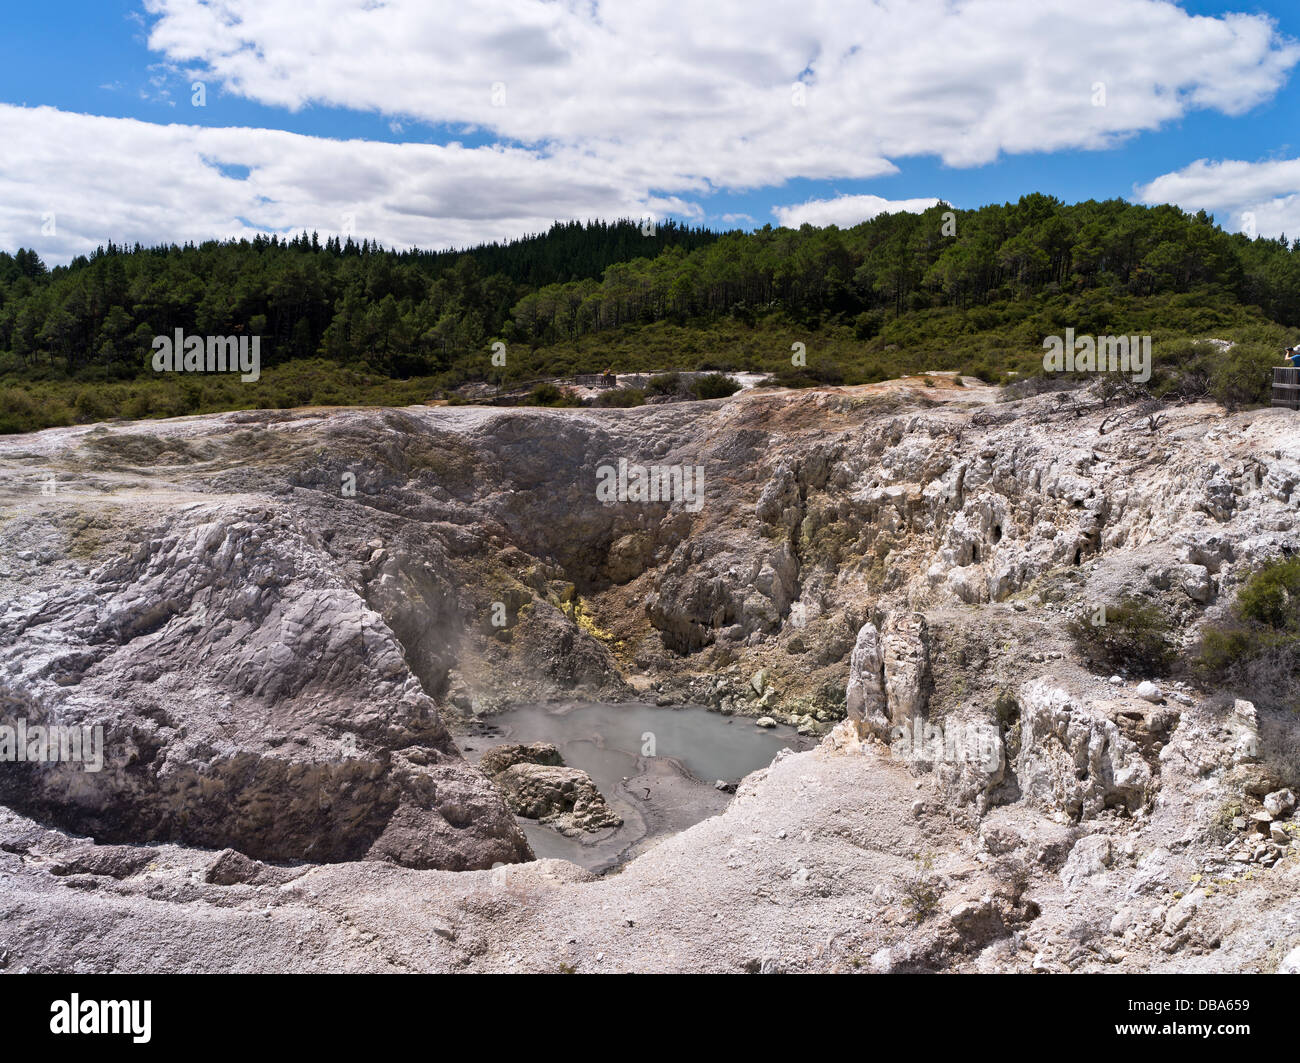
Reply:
x=26, y=405
x=989, y=343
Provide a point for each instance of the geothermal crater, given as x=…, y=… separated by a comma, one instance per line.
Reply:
x=295, y=627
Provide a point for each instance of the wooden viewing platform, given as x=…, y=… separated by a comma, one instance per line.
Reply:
x=1286, y=387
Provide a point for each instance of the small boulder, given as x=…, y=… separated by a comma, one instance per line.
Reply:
x=1181, y=913
x=976, y=920
x=1257, y=780
x=765, y=721
x=1148, y=691
x=233, y=868
x=1000, y=838
x=1089, y=856
x=1279, y=803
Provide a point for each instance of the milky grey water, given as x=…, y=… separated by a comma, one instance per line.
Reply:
x=655, y=765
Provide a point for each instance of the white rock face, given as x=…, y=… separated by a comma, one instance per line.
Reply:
x=889, y=674
x=906, y=642
x=250, y=697
x=865, y=697
x=1073, y=759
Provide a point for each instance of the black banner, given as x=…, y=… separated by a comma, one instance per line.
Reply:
x=145, y=1012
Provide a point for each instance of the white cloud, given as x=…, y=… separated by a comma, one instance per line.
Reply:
x=676, y=95
x=124, y=180
x=1253, y=197
x=608, y=109
x=846, y=211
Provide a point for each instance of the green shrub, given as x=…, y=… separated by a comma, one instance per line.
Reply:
x=620, y=397
x=987, y=375
x=546, y=394
x=668, y=384
x=1256, y=650
x=868, y=324
x=920, y=889
x=1134, y=635
x=713, y=386
x=813, y=376
x=1272, y=596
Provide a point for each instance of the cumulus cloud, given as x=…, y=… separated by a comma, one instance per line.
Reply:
x=846, y=211
x=584, y=109
x=744, y=93
x=1257, y=198
x=102, y=179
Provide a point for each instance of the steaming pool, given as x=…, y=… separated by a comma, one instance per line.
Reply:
x=657, y=795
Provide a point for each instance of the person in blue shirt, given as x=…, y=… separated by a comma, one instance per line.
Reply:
x=1293, y=357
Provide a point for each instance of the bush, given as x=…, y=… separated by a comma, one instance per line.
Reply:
x=1256, y=650
x=668, y=384
x=810, y=376
x=620, y=397
x=868, y=324
x=920, y=889
x=714, y=386
x=1272, y=596
x=546, y=394
x=1134, y=635
x=1240, y=375
x=987, y=375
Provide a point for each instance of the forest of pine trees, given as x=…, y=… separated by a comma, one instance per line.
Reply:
x=897, y=281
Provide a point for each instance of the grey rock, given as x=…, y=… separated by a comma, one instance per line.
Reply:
x=565, y=798
x=865, y=699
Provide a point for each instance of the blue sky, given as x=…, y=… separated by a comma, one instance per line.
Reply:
x=620, y=117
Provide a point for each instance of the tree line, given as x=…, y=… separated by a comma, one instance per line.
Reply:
x=413, y=313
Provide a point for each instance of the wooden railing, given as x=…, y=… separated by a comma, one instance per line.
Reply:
x=1286, y=387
